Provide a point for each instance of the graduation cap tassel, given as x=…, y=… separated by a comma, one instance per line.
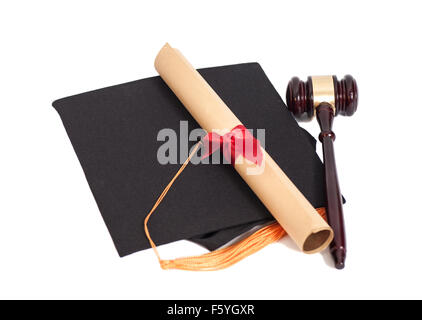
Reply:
x=224, y=257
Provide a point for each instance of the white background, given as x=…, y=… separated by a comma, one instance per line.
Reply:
x=53, y=242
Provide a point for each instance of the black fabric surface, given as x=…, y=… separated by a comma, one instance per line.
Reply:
x=114, y=134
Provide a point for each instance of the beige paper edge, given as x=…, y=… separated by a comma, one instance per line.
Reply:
x=280, y=196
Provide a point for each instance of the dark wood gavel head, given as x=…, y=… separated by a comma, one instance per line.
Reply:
x=304, y=97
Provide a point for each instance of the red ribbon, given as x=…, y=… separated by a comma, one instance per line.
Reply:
x=239, y=141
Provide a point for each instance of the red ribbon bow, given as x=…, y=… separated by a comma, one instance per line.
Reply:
x=239, y=141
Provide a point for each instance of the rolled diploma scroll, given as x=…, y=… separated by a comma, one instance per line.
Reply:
x=280, y=196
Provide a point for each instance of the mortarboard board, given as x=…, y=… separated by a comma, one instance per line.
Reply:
x=114, y=134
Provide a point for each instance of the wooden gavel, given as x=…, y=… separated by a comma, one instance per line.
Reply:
x=325, y=97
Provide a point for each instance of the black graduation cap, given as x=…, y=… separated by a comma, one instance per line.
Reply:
x=114, y=134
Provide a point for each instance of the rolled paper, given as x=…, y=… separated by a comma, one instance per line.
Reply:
x=279, y=195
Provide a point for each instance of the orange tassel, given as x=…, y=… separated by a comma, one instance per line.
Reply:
x=221, y=258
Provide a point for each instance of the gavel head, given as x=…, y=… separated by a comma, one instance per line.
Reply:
x=304, y=97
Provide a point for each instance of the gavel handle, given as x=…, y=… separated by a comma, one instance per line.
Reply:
x=325, y=116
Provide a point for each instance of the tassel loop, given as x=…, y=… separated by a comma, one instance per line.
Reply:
x=220, y=258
